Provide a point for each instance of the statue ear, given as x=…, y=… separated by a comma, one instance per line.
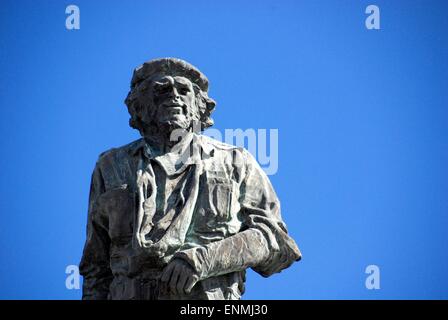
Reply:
x=211, y=104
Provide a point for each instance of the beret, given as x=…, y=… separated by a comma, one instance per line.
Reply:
x=170, y=67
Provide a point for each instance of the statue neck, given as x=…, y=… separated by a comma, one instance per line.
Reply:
x=160, y=141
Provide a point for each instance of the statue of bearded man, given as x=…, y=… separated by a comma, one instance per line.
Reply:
x=176, y=214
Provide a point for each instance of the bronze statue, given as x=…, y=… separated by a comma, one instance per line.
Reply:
x=176, y=214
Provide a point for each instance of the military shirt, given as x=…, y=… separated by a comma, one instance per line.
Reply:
x=206, y=202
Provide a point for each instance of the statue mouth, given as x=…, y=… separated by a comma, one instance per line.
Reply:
x=174, y=108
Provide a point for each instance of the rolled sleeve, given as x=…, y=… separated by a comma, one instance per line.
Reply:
x=260, y=209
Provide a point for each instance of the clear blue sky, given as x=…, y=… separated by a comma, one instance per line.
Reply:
x=362, y=118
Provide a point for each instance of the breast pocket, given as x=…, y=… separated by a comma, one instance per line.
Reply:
x=217, y=198
x=221, y=199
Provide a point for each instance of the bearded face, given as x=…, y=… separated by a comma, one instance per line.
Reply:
x=172, y=103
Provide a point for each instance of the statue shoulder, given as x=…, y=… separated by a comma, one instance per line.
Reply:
x=213, y=143
x=239, y=155
x=121, y=152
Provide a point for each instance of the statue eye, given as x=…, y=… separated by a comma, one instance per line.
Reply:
x=162, y=89
x=184, y=91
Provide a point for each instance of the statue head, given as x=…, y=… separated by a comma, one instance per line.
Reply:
x=168, y=94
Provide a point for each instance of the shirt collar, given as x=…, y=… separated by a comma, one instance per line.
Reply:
x=189, y=150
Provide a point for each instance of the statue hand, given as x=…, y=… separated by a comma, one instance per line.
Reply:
x=179, y=277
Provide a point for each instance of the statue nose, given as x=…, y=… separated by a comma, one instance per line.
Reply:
x=174, y=94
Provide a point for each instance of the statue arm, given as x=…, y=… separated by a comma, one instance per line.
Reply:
x=95, y=263
x=263, y=242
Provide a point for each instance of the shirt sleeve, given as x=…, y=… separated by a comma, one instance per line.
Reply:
x=95, y=263
x=260, y=210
